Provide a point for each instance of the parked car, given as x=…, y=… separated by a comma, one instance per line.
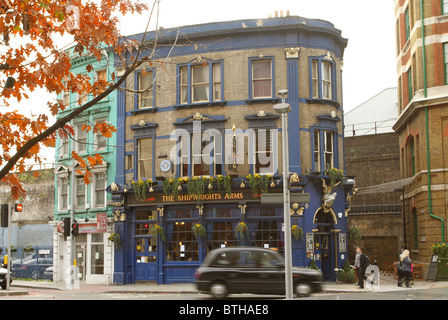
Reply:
x=3, y=272
x=33, y=268
x=252, y=270
x=48, y=273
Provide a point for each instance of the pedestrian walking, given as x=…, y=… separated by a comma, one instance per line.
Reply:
x=405, y=274
x=357, y=264
x=361, y=270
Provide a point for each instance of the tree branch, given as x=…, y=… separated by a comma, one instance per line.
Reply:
x=60, y=123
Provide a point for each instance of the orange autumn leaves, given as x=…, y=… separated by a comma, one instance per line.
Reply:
x=30, y=54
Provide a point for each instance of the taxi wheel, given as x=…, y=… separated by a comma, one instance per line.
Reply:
x=219, y=290
x=302, y=289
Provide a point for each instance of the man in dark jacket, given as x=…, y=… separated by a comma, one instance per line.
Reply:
x=362, y=267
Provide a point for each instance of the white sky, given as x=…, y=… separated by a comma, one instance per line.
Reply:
x=369, y=59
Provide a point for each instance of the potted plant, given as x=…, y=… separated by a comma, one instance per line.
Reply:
x=346, y=274
x=335, y=176
x=28, y=249
x=296, y=232
x=115, y=239
x=441, y=250
x=241, y=230
x=158, y=230
x=198, y=230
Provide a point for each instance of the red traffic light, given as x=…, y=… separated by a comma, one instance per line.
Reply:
x=18, y=207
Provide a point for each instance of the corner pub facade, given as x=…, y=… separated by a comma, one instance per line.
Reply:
x=202, y=110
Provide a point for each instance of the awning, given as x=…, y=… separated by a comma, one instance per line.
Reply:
x=385, y=187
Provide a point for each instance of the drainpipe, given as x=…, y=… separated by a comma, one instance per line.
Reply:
x=427, y=127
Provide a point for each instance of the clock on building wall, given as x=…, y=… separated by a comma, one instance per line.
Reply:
x=165, y=165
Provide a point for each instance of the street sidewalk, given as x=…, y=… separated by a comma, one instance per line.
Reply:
x=386, y=284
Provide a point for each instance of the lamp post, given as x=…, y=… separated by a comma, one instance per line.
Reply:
x=404, y=216
x=283, y=109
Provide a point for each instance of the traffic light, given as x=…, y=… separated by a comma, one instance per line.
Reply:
x=75, y=229
x=18, y=207
x=66, y=227
x=4, y=216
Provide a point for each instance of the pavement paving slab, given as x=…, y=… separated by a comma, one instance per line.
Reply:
x=386, y=284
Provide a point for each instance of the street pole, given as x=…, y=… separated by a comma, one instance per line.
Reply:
x=284, y=108
x=72, y=215
x=8, y=265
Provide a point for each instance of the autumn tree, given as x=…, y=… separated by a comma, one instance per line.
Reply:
x=30, y=59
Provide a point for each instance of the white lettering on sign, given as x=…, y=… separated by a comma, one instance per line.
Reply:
x=101, y=222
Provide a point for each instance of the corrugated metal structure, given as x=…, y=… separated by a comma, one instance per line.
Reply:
x=376, y=115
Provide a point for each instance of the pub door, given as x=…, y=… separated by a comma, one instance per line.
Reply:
x=322, y=251
x=145, y=259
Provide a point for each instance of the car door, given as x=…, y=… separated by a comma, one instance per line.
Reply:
x=244, y=277
x=271, y=273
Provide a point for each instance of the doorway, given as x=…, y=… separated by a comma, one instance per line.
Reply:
x=146, y=259
x=322, y=251
x=80, y=255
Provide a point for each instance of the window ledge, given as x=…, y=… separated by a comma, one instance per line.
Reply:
x=323, y=101
x=200, y=104
x=144, y=110
x=262, y=100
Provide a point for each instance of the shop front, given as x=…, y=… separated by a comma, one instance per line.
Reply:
x=174, y=253
x=93, y=252
x=166, y=238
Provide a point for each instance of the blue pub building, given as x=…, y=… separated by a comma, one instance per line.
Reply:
x=199, y=142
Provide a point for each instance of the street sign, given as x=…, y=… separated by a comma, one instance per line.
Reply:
x=18, y=207
x=277, y=198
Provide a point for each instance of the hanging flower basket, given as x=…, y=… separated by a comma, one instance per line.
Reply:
x=115, y=239
x=196, y=186
x=224, y=182
x=141, y=186
x=296, y=232
x=198, y=230
x=172, y=186
x=158, y=230
x=241, y=230
x=258, y=182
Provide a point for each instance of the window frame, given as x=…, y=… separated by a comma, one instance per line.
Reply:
x=444, y=4
x=321, y=150
x=97, y=78
x=316, y=65
x=273, y=138
x=186, y=217
x=95, y=190
x=189, y=85
x=189, y=163
x=137, y=87
x=78, y=194
x=98, y=136
x=61, y=193
x=271, y=59
x=78, y=132
x=152, y=158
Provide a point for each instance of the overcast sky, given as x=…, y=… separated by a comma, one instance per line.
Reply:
x=369, y=59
